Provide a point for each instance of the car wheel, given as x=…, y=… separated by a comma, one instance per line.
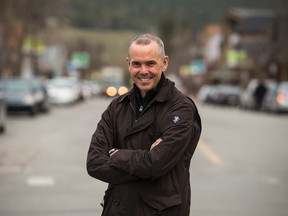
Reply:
x=33, y=111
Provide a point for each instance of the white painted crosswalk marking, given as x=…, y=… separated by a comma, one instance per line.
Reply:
x=40, y=181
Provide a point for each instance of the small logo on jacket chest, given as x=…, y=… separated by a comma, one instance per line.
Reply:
x=176, y=119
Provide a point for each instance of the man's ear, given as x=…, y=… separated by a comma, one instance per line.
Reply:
x=165, y=63
x=128, y=61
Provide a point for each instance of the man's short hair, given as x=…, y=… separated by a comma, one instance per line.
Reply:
x=145, y=39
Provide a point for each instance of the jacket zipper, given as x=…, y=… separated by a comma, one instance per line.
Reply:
x=136, y=119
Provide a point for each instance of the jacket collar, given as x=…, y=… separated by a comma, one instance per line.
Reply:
x=162, y=95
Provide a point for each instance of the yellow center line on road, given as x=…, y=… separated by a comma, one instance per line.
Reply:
x=212, y=157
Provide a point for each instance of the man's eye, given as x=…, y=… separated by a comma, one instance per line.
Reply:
x=136, y=64
x=150, y=64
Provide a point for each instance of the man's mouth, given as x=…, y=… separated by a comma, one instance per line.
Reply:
x=145, y=79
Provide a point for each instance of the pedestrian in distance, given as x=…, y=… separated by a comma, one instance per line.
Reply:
x=259, y=94
x=143, y=144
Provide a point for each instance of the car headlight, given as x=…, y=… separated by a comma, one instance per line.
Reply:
x=122, y=90
x=29, y=100
x=111, y=91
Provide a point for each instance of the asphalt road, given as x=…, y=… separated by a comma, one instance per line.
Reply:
x=239, y=167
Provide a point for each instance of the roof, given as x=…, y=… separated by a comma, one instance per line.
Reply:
x=242, y=13
x=250, y=20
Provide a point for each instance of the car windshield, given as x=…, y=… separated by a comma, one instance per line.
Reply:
x=16, y=85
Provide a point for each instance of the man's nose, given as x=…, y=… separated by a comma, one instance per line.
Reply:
x=144, y=69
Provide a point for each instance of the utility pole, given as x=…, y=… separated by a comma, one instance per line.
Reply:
x=280, y=36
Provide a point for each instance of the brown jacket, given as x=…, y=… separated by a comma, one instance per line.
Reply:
x=143, y=181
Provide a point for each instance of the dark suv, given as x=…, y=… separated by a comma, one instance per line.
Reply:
x=25, y=95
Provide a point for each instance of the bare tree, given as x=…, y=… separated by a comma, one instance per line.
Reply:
x=18, y=20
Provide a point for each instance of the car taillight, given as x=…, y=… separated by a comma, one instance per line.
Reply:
x=280, y=97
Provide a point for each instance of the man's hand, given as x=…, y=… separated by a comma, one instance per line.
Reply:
x=113, y=151
x=158, y=141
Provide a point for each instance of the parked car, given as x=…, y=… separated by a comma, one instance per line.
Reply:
x=222, y=94
x=205, y=94
x=2, y=112
x=112, y=89
x=64, y=91
x=247, y=97
x=276, y=99
x=227, y=95
x=25, y=95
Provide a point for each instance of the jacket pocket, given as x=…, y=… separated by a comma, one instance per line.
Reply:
x=161, y=202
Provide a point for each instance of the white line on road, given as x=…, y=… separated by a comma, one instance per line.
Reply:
x=40, y=181
x=212, y=156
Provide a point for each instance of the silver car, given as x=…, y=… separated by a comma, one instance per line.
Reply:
x=64, y=91
x=276, y=99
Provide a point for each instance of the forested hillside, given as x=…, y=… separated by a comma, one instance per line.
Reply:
x=78, y=24
x=147, y=14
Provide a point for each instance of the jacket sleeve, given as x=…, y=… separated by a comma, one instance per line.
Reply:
x=98, y=161
x=181, y=133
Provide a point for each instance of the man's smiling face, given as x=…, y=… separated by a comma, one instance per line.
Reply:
x=146, y=64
